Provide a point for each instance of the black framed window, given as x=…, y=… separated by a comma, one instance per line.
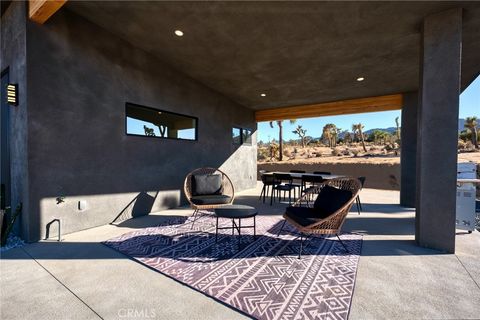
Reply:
x=241, y=136
x=150, y=122
x=237, y=135
x=246, y=136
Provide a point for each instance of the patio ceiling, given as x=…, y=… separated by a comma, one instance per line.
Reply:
x=297, y=53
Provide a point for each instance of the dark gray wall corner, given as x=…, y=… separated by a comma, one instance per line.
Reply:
x=408, y=155
x=13, y=57
x=80, y=77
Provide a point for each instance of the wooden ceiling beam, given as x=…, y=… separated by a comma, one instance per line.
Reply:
x=362, y=105
x=41, y=10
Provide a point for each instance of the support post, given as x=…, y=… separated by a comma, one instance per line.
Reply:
x=408, y=154
x=438, y=130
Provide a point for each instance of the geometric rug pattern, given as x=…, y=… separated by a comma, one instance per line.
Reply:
x=262, y=277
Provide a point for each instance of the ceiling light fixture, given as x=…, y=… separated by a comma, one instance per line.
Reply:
x=179, y=33
x=359, y=79
x=263, y=95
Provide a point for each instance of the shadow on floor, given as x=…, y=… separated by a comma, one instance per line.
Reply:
x=164, y=246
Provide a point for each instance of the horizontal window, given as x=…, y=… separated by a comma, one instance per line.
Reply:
x=149, y=122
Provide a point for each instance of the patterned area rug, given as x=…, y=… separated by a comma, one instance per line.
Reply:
x=261, y=277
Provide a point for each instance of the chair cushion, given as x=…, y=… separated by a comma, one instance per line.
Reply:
x=206, y=184
x=331, y=199
x=211, y=199
x=305, y=216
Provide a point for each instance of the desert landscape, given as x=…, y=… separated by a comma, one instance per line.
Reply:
x=381, y=170
x=374, y=154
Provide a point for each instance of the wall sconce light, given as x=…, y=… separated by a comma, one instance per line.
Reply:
x=12, y=94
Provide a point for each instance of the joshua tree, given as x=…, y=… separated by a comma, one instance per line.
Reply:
x=330, y=134
x=347, y=137
x=358, y=129
x=471, y=124
x=280, y=136
x=301, y=133
x=398, y=130
x=148, y=131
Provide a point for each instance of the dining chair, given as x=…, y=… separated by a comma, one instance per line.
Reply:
x=282, y=182
x=309, y=182
x=297, y=182
x=268, y=181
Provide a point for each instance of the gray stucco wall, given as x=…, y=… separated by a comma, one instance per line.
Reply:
x=79, y=78
x=13, y=57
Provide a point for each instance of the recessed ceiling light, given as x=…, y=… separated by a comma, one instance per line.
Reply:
x=263, y=95
x=179, y=33
x=360, y=79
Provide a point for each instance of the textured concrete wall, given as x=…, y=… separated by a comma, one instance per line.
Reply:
x=80, y=77
x=13, y=57
x=437, y=162
x=408, y=156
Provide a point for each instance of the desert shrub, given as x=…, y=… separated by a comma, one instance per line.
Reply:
x=287, y=153
x=318, y=154
x=389, y=147
x=274, y=150
x=336, y=152
x=373, y=148
x=355, y=152
x=469, y=145
x=262, y=154
x=461, y=145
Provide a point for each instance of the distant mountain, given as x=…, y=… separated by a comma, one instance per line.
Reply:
x=389, y=130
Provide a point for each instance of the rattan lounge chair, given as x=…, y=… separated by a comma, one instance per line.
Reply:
x=326, y=215
x=207, y=189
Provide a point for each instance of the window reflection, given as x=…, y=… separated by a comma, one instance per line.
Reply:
x=144, y=121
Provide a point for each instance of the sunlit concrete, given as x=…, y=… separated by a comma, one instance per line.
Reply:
x=81, y=278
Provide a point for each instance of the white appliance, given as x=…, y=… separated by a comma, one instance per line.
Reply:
x=465, y=211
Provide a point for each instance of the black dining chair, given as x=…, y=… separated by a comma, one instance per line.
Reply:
x=357, y=199
x=268, y=181
x=310, y=182
x=297, y=182
x=282, y=182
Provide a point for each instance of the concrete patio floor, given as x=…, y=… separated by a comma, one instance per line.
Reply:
x=79, y=278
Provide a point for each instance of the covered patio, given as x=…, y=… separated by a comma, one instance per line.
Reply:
x=396, y=279
x=118, y=101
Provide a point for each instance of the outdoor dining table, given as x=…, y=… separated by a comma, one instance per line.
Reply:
x=298, y=176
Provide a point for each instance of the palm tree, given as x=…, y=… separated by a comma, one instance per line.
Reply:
x=357, y=129
x=471, y=124
x=280, y=136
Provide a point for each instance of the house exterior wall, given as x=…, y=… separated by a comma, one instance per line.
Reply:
x=13, y=57
x=79, y=79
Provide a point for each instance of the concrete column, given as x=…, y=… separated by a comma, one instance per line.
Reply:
x=438, y=130
x=408, y=155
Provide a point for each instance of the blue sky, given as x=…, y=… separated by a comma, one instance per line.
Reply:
x=469, y=106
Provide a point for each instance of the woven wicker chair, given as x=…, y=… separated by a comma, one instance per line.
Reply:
x=316, y=224
x=227, y=191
